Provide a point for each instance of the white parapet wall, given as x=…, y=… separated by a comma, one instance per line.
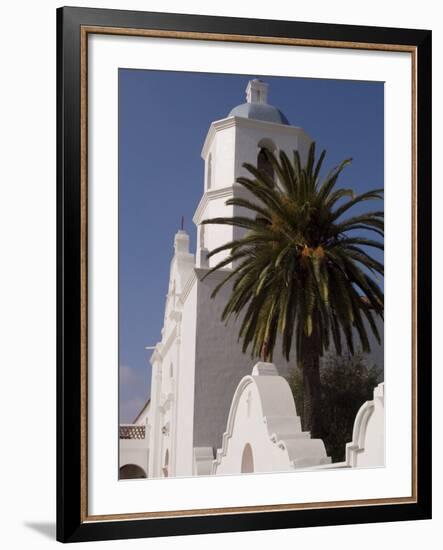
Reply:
x=367, y=448
x=263, y=432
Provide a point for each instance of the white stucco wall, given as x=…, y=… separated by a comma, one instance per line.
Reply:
x=220, y=363
x=263, y=432
x=134, y=451
x=217, y=235
x=367, y=448
x=249, y=134
x=154, y=435
x=231, y=142
x=167, y=436
x=183, y=461
x=199, y=362
x=222, y=149
x=143, y=416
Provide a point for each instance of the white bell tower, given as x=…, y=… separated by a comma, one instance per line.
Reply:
x=229, y=143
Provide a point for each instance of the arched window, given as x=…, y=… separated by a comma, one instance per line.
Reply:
x=165, y=468
x=209, y=172
x=262, y=160
x=247, y=460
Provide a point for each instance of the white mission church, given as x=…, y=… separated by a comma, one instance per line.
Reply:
x=213, y=410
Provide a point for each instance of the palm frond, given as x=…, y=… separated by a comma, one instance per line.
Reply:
x=301, y=271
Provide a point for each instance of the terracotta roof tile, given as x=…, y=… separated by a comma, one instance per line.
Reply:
x=132, y=431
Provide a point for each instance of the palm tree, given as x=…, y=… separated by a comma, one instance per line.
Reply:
x=302, y=272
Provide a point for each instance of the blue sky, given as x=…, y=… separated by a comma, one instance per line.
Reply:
x=163, y=121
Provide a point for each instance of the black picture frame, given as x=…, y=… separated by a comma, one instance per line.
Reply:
x=72, y=525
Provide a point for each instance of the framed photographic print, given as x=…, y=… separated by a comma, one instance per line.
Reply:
x=244, y=274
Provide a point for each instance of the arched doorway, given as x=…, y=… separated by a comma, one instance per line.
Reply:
x=131, y=471
x=247, y=460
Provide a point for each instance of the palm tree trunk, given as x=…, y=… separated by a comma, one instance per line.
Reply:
x=311, y=387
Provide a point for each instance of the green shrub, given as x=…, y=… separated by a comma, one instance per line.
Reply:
x=346, y=383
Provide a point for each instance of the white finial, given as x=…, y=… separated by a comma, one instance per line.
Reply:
x=181, y=241
x=257, y=91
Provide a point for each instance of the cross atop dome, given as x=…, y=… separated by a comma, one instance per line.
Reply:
x=257, y=91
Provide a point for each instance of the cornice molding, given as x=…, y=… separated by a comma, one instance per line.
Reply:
x=229, y=122
x=208, y=196
x=216, y=126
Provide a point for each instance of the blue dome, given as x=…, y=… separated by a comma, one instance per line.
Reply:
x=260, y=111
